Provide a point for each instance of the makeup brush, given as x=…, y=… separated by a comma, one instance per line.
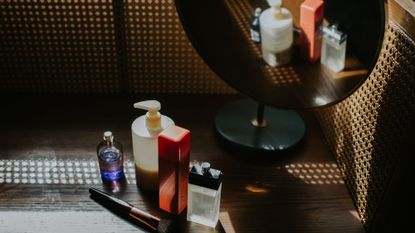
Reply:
x=126, y=209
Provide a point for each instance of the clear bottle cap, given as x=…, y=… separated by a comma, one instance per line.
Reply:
x=205, y=168
x=204, y=175
x=334, y=33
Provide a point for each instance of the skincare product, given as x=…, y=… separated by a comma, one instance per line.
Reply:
x=205, y=187
x=145, y=130
x=333, y=52
x=110, y=158
x=311, y=19
x=174, y=150
x=276, y=25
x=255, y=32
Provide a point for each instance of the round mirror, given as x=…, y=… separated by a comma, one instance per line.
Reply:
x=220, y=32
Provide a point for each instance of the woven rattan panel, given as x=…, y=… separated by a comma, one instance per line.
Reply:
x=57, y=46
x=160, y=57
x=366, y=130
x=99, y=46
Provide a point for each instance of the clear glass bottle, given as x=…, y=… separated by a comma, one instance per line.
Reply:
x=205, y=187
x=255, y=31
x=110, y=158
x=333, y=51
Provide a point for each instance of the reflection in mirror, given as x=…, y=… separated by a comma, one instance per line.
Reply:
x=242, y=12
x=349, y=35
x=220, y=32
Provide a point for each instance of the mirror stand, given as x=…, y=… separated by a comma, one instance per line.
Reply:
x=270, y=130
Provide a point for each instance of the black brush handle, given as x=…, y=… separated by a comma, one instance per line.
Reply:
x=115, y=203
x=125, y=207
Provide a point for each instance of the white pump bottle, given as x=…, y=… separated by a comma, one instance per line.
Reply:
x=276, y=25
x=145, y=130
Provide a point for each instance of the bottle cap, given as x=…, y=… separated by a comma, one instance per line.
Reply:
x=153, y=117
x=333, y=32
x=276, y=8
x=205, y=168
x=108, y=136
x=257, y=11
x=205, y=176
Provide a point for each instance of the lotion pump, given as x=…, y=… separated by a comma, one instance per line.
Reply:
x=276, y=25
x=145, y=130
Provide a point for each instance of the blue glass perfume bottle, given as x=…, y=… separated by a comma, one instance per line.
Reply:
x=110, y=158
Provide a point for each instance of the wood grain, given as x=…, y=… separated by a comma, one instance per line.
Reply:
x=403, y=13
x=261, y=192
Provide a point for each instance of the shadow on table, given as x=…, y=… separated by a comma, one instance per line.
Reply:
x=251, y=155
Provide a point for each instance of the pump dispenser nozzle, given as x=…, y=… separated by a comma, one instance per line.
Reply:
x=153, y=117
x=273, y=3
x=276, y=7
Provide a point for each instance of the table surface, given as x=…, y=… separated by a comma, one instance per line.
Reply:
x=48, y=162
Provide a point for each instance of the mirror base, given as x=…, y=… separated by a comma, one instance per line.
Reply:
x=284, y=129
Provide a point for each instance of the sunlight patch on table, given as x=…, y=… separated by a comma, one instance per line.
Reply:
x=63, y=222
x=226, y=222
x=316, y=173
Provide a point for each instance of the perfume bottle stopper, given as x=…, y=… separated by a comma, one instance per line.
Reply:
x=205, y=187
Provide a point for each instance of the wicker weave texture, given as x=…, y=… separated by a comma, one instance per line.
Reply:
x=99, y=46
x=365, y=131
x=57, y=46
x=160, y=57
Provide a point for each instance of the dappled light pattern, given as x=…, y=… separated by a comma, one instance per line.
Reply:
x=50, y=171
x=316, y=173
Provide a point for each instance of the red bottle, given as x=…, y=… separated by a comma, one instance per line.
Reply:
x=174, y=150
x=311, y=20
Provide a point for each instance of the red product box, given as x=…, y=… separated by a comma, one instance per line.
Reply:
x=174, y=151
x=311, y=19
